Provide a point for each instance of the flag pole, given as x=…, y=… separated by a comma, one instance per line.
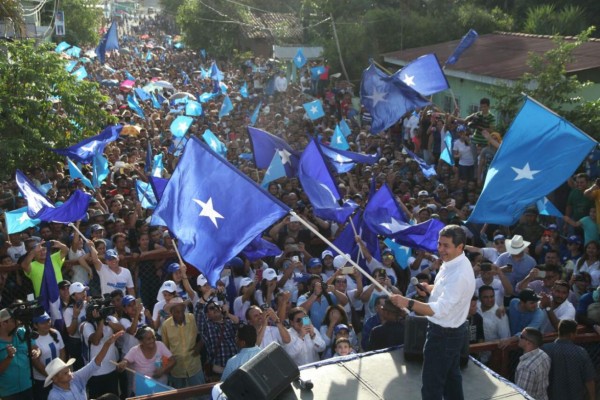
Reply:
x=72, y=225
x=348, y=259
x=177, y=252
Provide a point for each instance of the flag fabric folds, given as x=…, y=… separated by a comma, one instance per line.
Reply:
x=215, y=144
x=244, y=90
x=274, y=172
x=85, y=150
x=76, y=173
x=193, y=108
x=158, y=186
x=314, y=109
x=299, y=59
x=49, y=298
x=255, y=114
x=265, y=145
x=345, y=128
x=320, y=187
x=80, y=74
x=226, y=107
x=259, y=248
x=110, y=41
x=146, y=195
x=386, y=98
x=18, y=220
x=135, y=106
x=39, y=207
x=446, y=154
x=539, y=152
x=428, y=170
x=338, y=140
x=466, y=42
x=62, y=46
x=545, y=207
x=145, y=385
x=180, y=125
x=99, y=170
x=213, y=225
x=425, y=75
x=157, y=166
x=343, y=161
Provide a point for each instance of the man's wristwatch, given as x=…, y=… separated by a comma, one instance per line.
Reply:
x=411, y=303
x=548, y=309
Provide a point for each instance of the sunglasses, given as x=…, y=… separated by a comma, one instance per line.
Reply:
x=298, y=320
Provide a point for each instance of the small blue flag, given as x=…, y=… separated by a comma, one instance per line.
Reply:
x=145, y=194
x=446, y=154
x=259, y=248
x=135, y=106
x=148, y=56
x=215, y=73
x=85, y=150
x=18, y=220
x=274, y=172
x=142, y=94
x=73, y=51
x=206, y=96
x=345, y=128
x=157, y=166
x=428, y=170
x=316, y=72
x=145, y=385
x=255, y=114
x=545, y=207
x=215, y=144
x=76, y=173
x=155, y=102
x=100, y=170
x=213, y=225
x=425, y=75
x=466, y=42
x=80, y=74
x=314, y=109
x=193, y=108
x=71, y=65
x=244, y=90
x=180, y=125
x=62, y=46
x=49, y=297
x=226, y=107
x=299, y=59
x=110, y=41
x=338, y=140
x=401, y=253
x=265, y=145
x=343, y=161
x=128, y=76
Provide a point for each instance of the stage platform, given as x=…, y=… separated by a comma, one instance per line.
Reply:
x=386, y=375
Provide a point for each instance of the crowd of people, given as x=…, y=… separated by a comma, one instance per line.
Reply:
x=129, y=305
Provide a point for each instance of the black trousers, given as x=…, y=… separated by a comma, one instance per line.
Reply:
x=98, y=385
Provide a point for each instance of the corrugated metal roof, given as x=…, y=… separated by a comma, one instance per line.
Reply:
x=501, y=55
x=276, y=25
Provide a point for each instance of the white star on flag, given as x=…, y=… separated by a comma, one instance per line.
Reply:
x=393, y=226
x=213, y=144
x=208, y=211
x=314, y=110
x=409, y=80
x=525, y=173
x=340, y=159
x=299, y=59
x=285, y=156
x=339, y=140
x=376, y=97
x=89, y=147
x=23, y=218
x=182, y=126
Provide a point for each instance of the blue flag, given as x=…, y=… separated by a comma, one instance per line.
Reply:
x=346, y=242
x=338, y=140
x=386, y=98
x=99, y=170
x=539, y=152
x=244, y=90
x=206, y=96
x=142, y=94
x=71, y=65
x=447, y=155
x=259, y=248
x=85, y=150
x=18, y=220
x=62, y=46
x=466, y=42
x=80, y=74
x=226, y=107
x=425, y=75
x=320, y=187
x=180, y=125
x=158, y=186
x=155, y=102
x=107, y=43
x=145, y=385
x=343, y=161
x=314, y=109
x=274, y=172
x=135, y=106
x=545, y=207
x=345, y=128
x=128, y=76
x=401, y=253
x=215, y=144
x=215, y=73
x=383, y=216
x=428, y=170
x=73, y=51
x=193, y=108
x=38, y=205
x=145, y=194
x=255, y=114
x=265, y=145
x=76, y=173
x=300, y=60
x=213, y=225
x=316, y=72
x=148, y=56
x=49, y=298
x=157, y=166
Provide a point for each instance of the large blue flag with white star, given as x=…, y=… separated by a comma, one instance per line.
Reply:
x=426, y=169
x=18, y=220
x=386, y=98
x=85, y=150
x=274, y=172
x=539, y=152
x=213, y=225
x=343, y=160
x=338, y=140
x=180, y=125
x=265, y=145
x=425, y=75
x=314, y=109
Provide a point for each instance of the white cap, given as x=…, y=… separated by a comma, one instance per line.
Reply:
x=77, y=287
x=167, y=286
x=339, y=261
x=246, y=282
x=326, y=253
x=269, y=274
x=294, y=218
x=201, y=280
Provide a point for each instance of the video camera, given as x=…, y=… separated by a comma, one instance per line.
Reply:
x=25, y=311
x=101, y=304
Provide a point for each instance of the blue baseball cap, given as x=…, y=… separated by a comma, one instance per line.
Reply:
x=235, y=262
x=111, y=254
x=173, y=267
x=127, y=300
x=41, y=318
x=313, y=262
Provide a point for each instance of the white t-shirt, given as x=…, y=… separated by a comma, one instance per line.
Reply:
x=110, y=281
x=15, y=252
x=68, y=318
x=50, y=350
x=464, y=153
x=112, y=355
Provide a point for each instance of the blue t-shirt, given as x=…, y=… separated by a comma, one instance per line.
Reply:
x=519, y=319
x=16, y=378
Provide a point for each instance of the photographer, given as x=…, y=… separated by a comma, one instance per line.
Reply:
x=98, y=328
x=74, y=315
x=15, y=370
x=319, y=298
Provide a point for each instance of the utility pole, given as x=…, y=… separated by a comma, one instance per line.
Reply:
x=337, y=44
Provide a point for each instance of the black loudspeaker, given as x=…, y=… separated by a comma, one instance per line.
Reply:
x=265, y=376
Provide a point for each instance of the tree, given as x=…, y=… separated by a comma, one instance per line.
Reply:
x=545, y=20
x=82, y=21
x=12, y=11
x=48, y=108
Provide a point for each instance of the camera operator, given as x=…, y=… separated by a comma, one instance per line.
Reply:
x=73, y=316
x=319, y=298
x=98, y=328
x=15, y=370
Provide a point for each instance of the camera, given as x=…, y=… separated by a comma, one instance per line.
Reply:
x=26, y=311
x=101, y=304
x=324, y=286
x=265, y=306
x=221, y=296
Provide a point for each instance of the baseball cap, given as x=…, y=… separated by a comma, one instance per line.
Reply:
x=326, y=253
x=235, y=262
x=111, y=254
x=168, y=286
x=387, y=251
x=340, y=327
x=41, y=318
x=127, y=300
x=499, y=237
x=340, y=260
x=246, y=282
x=173, y=267
x=574, y=239
x=313, y=262
x=423, y=193
x=201, y=280
x=294, y=218
x=528, y=295
x=269, y=274
x=77, y=287
x=63, y=284
x=5, y=315
x=96, y=227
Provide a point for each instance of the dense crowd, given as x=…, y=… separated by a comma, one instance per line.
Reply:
x=161, y=318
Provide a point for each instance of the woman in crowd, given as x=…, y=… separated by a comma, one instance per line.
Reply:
x=51, y=345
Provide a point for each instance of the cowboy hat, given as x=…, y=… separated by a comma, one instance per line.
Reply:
x=516, y=245
x=176, y=301
x=55, y=367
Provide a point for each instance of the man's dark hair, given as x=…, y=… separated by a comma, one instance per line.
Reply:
x=247, y=334
x=484, y=288
x=455, y=233
x=567, y=327
x=562, y=283
x=534, y=336
x=294, y=311
x=484, y=100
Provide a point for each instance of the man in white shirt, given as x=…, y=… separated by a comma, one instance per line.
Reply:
x=306, y=341
x=265, y=333
x=557, y=307
x=112, y=276
x=494, y=327
x=492, y=275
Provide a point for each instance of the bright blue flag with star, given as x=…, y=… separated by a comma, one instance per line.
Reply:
x=425, y=75
x=428, y=170
x=206, y=96
x=320, y=187
x=62, y=46
x=316, y=72
x=299, y=59
x=135, y=106
x=539, y=152
x=49, y=297
x=384, y=216
x=76, y=173
x=466, y=42
x=345, y=128
x=343, y=161
x=71, y=65
x=314, y=109
x=255, y=114
x=100, y=170
x=215, y=144
x=545, y=207
x=215, y=72
x=80, y=74
x=446, y=154
x=244, y=90
x=85, y=150
x=145, y=194
x=213, y=225
x=386, y=98
x=18, y=220
x=155, y=102
x=226, y=107
x=73, y=51
x=338, y=140
x=401, y=253
x=110, y=41
x=265, y=145
x=274, y=172
x=193, y=108
x=38, y=205
x=180, y=125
